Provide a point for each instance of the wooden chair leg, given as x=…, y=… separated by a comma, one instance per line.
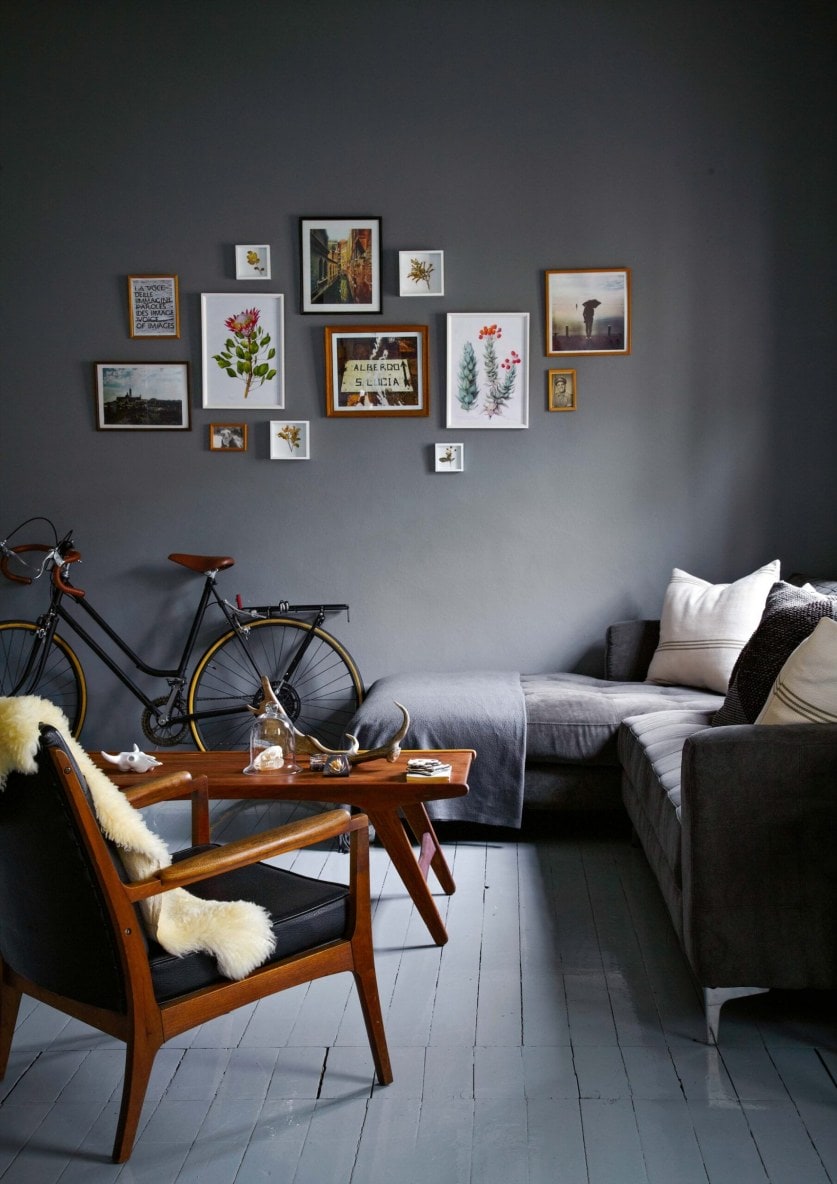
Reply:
x=370, y=1004
x=139, y=1061
x=9, y=1006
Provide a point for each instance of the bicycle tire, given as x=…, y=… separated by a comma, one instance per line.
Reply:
x=323, y=694
x=62, y=681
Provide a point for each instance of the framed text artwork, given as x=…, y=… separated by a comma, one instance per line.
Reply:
x=588, y=312
x=142, y=397
x=340, y=265
x=488, y=370
x=242, y=350
x=153, y=306
x=380, y=371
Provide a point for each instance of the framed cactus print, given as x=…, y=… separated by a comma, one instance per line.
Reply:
x=488, y=370
x=588, y=312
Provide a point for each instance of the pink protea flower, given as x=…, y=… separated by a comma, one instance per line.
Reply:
x=243, y=323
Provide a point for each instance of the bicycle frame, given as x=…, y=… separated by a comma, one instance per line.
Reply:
x=175, y=676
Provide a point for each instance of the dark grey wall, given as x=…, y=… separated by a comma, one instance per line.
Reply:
x=687, y=141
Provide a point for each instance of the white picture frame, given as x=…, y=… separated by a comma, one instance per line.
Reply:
x=231, y=323
x=449, y=458
x=252, y=262
x=290, y=439
x=421, y=273
x=488, y=370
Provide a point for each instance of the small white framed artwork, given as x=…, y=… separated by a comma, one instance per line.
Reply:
x=421, y=273
x=450, y=458
x=290, y=439
x=252, y=262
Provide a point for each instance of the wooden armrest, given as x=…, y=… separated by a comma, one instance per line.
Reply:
x=277, y=841
x=160, y=789
x=171, y=787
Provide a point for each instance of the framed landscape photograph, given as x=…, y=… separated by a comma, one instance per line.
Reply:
x=290, y=439
x=380, y=371
x=421, y=273
x=488, y=370
x=142, y=397
x=340, y=265
x=588, y=312
x=561, y=389
x=252, y=262
x=243, y=339
x=228, y=437
x=153, y=306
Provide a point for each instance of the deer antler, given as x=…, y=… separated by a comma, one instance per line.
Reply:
x=391, y=750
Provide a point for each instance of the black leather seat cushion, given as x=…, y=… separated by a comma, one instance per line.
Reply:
x=306, y=913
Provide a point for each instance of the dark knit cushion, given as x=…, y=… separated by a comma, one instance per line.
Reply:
x=790, y=615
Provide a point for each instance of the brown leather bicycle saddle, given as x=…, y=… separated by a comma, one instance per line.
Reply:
x=202, y=563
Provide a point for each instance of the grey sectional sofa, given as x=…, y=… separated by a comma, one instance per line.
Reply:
x=737, y=822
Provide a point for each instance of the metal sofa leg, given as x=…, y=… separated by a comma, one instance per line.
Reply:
x=714, y=999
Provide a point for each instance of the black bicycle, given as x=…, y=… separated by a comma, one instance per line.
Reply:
x=314, y=677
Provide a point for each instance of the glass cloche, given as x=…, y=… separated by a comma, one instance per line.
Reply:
x=272, y=742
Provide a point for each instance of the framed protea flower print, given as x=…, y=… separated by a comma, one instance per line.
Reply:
x=243, y=348
x=488, y=370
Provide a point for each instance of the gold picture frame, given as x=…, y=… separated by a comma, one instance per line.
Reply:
x=377, y=371
x=153, y=306
x=561, y=389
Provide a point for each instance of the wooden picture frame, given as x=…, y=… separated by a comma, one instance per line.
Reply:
x=561, y=388
x=228, y=437
x=142, y=396
x=340, y=265
x=153, y=306
x=380, y=371
x=588, y=312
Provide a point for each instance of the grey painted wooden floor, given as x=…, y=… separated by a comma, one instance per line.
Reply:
x=556, y=1038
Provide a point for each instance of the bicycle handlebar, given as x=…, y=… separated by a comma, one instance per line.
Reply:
x=61, y=555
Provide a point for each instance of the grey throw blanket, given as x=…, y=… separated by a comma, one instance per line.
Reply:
x=483, y=710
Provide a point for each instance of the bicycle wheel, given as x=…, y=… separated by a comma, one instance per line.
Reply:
x=62, y=679
x=320, y=697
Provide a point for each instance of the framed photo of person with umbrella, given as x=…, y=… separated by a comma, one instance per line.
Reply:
x=588, y=312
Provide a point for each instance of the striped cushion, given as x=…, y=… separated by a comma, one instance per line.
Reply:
x=805, y=690
x=704, y=627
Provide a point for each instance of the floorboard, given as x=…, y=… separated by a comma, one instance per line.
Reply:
x=555, y=1039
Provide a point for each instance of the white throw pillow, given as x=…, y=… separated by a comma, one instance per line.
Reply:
x=704, y=627
x=805, y=690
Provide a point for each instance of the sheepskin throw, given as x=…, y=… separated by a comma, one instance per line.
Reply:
x=237, y=933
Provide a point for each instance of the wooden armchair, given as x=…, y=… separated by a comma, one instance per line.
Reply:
x=71, y=933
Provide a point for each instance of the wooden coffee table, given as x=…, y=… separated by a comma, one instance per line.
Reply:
x=379, y=788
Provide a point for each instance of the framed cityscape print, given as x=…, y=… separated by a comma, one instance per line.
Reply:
x=340, y=265
x=142, y=396
x=561, y=389
x=242, y=349
x=588, y=312
x=153, y=306
x=380, y=371
x=488, y=370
